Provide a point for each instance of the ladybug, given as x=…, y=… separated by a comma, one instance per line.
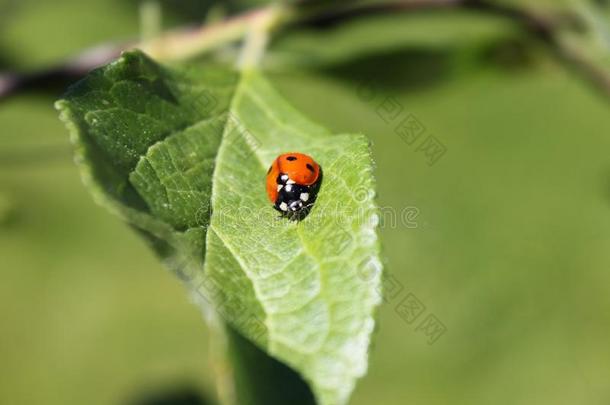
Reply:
x=293, y=181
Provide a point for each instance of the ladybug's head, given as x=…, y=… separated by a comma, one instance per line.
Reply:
x=294, y=200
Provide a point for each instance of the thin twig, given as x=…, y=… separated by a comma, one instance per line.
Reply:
x=547, y=29
x=186, y=43
x=257, y=37
x=70, y=70
x=179, y=44
x=190, y=42
x=544, y=28
x=329, y=16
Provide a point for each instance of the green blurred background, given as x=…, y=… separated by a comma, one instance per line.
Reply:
x=511, y=249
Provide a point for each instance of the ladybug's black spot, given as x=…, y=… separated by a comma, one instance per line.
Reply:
x=310, y=167
x=291, y=158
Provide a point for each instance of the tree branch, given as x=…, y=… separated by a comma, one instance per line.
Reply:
x=257, y=37
x=189, y=42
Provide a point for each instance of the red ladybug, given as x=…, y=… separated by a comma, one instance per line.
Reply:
x=293, y=181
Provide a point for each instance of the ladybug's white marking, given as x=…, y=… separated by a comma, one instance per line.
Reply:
x=279, y=187
x=290, y=181
x=296, y=205
x=304, y=196
x=284, y=206
x=289, y=187
x=284, y=177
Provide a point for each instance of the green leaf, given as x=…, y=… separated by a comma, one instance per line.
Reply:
x=181, y=154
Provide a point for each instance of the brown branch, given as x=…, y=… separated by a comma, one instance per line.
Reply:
x=189, y=42
x=329, y=16
x=546, y=29
x=182, y=43
x=68, y=71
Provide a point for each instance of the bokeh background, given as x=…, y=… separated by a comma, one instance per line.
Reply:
x=511, y=248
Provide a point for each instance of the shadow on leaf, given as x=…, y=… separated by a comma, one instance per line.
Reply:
x=287, y=386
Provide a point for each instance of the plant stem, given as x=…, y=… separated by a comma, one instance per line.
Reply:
x=187, y=43
x=257, y=36
x=150, y=19
x=255, y=27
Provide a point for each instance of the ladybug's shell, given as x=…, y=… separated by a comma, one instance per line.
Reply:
x=300, y=168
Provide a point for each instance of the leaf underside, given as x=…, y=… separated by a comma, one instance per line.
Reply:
x=181, y=154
